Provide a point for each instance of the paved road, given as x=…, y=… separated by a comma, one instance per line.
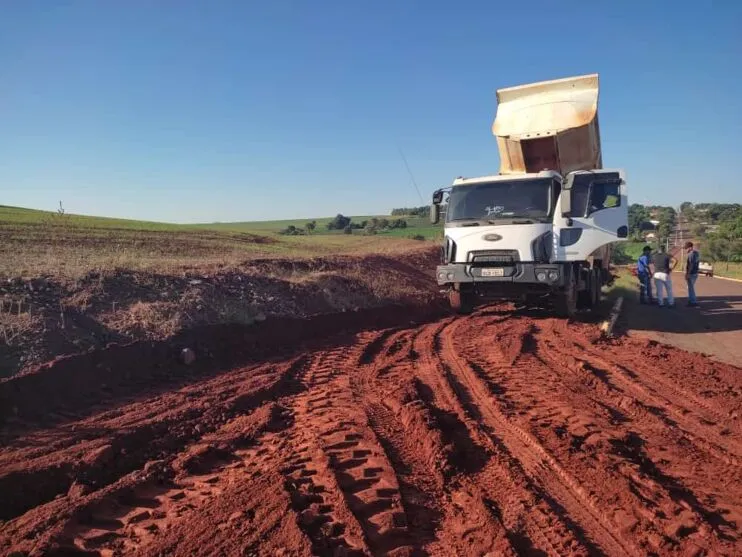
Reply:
x=715, y=328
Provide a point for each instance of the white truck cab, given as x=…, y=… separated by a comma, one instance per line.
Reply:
x=536, y=235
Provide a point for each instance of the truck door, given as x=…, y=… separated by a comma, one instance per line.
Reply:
x=593, y=212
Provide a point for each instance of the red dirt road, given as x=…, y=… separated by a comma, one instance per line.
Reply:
x=495, y=434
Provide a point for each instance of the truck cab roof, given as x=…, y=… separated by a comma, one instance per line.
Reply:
x=461, y=181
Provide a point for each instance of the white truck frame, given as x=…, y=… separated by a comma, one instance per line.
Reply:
x=557, y=250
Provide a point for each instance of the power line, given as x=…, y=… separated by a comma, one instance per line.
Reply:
x=407, y=166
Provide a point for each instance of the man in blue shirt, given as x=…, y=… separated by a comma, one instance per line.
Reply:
x=645, y=276
x=691, y=273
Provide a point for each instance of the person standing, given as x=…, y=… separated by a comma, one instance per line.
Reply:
x=691, y=273
x=663, y=265
x=644, y=275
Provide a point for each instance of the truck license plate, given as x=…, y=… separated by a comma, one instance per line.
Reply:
x=493, y=272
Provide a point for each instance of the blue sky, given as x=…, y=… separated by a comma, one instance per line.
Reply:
x=191, y=111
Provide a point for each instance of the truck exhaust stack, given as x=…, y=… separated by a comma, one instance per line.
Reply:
x=550, y=125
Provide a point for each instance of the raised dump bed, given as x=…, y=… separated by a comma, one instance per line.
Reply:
x=549, y=125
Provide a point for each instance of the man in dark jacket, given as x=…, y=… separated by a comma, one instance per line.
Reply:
x=691, y=273
x=644, y=275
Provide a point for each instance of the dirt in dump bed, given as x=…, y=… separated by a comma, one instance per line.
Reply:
x=499, y=434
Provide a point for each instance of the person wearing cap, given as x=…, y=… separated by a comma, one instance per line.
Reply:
x=691, y=273
x=644, y=275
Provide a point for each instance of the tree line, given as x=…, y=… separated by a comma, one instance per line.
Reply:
x=346, y=224
x=718, y=226
x=423, y=211
x=640, y=217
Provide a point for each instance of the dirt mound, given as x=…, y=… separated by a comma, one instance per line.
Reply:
x=43, y=318
x=358, y=434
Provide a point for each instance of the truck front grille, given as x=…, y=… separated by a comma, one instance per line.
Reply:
x=502, y=257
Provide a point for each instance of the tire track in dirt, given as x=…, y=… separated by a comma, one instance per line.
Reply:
x=115, y=445
x=533, y=520
x=128, y=517
x=644, y=445
x=494, y=434
x=447, y=517
x=588, y=428
x=698, y=420
x=326, y=417
x=535, y=460
x=674, y=415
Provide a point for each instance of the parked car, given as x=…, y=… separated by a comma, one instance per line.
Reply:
x=705, y=269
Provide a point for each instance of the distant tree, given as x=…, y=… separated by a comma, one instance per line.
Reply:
x=667, y=217
x=698, y=230
x=638, y=218
x=422, y=211
x=348, y=229
x=715, y=213
x=383, y=224
x=311, y=226
x=291, y=230
x=340, y=222
x=714, y=249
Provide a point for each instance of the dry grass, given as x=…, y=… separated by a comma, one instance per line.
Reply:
x=16, y=322
x=730, y=270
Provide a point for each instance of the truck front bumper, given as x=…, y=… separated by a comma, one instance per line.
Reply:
x=549, y=276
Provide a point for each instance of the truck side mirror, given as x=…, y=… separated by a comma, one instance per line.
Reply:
x=435, y=213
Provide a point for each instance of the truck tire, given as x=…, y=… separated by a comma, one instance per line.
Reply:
x=461, y=302
x=566, y=301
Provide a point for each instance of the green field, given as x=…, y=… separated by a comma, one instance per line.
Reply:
x=415, y=225
x=34, y=243
x=18, y=215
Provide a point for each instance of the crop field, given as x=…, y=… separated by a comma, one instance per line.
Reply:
x=36, y=243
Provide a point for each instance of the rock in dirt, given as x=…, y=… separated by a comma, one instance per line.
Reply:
x=187, y=356
x=78, y=490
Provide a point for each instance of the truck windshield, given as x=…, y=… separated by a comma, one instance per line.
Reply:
x=501, y=200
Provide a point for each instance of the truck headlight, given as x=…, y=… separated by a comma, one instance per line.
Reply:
x=553, y=276
x=450, y=276
x=541, y=276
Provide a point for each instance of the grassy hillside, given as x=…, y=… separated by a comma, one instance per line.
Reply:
x=34, y=243
x=415, y=226
x=21, y=216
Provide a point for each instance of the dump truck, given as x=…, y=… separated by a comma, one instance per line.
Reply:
x=542, y=230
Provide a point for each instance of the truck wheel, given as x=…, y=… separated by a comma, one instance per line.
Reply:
x=461, y=302
x=566, y=301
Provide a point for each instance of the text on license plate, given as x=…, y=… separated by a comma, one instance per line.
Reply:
x=493, y=272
